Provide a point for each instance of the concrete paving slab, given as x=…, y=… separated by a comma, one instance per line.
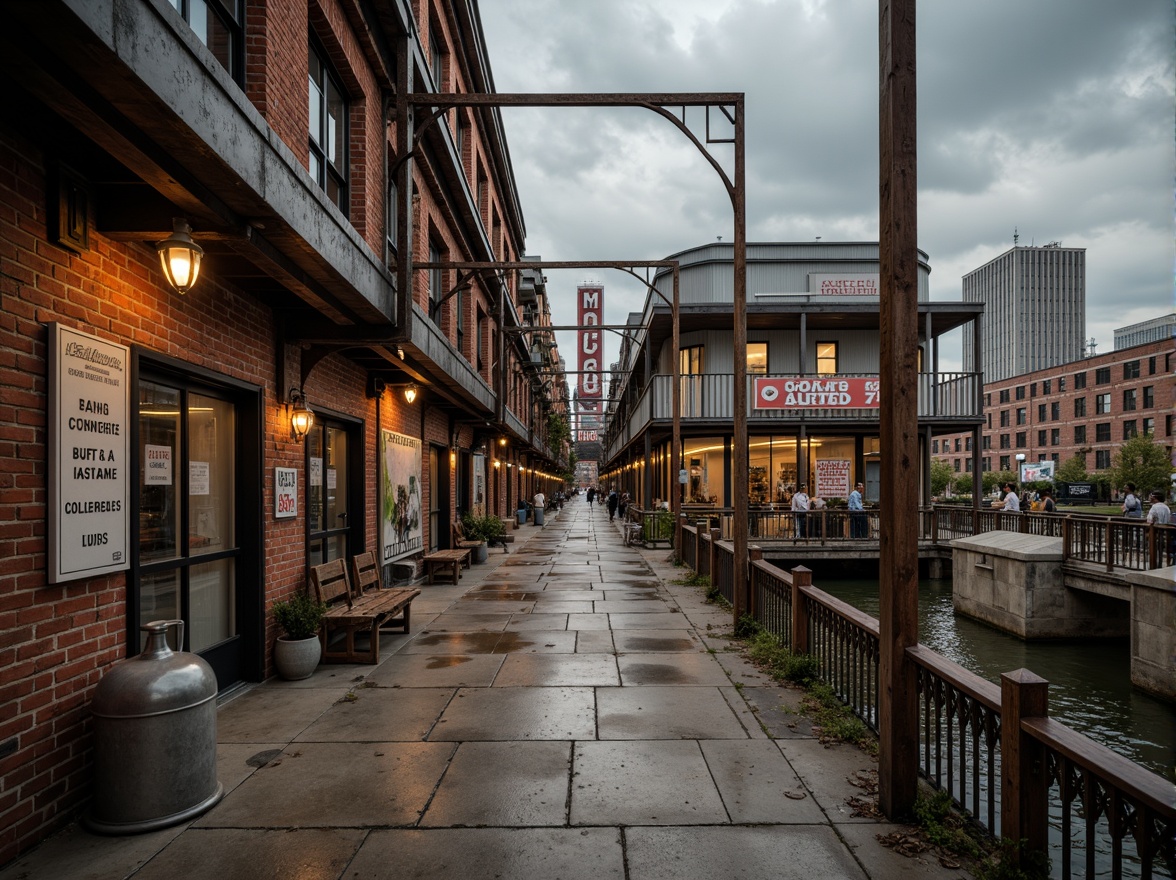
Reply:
x=437, y=670
x=784, y=853
x=594, y=642
x=462, y=621
x=643, y=783
x=883, y=863
x=583, y=621
x=477, y=853
x=508, y=784
x=554, y=606
x=571, y=597
x=447, y=643
x=776, y=708
x=559, y=670
x=665, y=713
x=757, y=784
x=518, y=714
x=235, y=762
x=646, y=620
x=576, y=585
x=827, y=772
x=536, y=641
x=747, y=718
x=634, y=606
x=373, y=714
x=77, y=854
x=269, y=715
x=217, y=854
x=342, y=785
x=545, y=621
x=677, y=669
x=652, y=641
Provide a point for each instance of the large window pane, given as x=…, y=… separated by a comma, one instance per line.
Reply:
x=159, y=599
x=160, y=453
x=704, y=463
x=212, y=433
x=213, y=602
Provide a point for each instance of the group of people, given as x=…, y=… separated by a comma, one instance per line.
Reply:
x=617, y=503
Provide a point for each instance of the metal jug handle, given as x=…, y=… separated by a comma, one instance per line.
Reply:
x=164, y=626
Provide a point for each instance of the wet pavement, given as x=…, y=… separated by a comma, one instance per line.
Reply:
x=566, y=711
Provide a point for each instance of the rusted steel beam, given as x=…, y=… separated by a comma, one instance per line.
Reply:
x=562, y=99
x=548, y=264
x=899, y=425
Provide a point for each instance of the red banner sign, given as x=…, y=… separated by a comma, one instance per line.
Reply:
x=816, y=392
x=590, y=311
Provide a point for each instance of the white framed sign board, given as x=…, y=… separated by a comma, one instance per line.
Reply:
x=89, y=455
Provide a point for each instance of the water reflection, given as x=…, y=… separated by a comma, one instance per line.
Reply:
x=1090, y=682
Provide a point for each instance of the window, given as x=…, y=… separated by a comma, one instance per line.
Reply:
x=1130, y=429
x=1022, y=440
x=988, y=421
x=1151, y=365
x=333, y=454
x=986, y=464
x=1033, y=389
x=987, y=444
x=1149, y=426
x=1020, y=392
x=1004, y=441
x=757, y=358
x=436, y=283
x=957, y=444
x=988, y=399
x=1131, y=370
x=1041, y=437
x=1004, y=418
x=1022, y=415
x=690, y=361
x=956, y=465
x=1055, y=410
x=1130, y=397
x=1046, y=386
x=460, y=323
x=1041, y=412
x=1102, y=375
x=1079, y=407
x=328, y=132
x=826, y=358
x=480, y=341
x=968, y=443
x=1055, y=437
x=1102, y=459
x=1102, y=432
x=1004, y=463
x=1004, y=395
x=393, y=225
x=217, y=23
x=935, y=446
x=1149, y=396
x=1102, y=404
x=1061, y=383
x=436, y=60
x=1079, y=434
x=1079, y=381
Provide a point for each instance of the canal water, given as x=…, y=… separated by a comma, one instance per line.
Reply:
x=1090, y=682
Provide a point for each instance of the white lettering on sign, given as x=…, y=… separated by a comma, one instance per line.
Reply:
x=590, y=309
x=843, y=285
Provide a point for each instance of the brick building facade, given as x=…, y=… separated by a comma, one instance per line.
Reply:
x=1086, y=408
x=125, y=114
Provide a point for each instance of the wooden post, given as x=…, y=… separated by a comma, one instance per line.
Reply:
x=1024, y=782
x=898, y=267
x=754, y=554
x=698, y=544
x=801, y=577
x=715, y=536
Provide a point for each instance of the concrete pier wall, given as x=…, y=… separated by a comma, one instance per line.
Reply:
x=1153, y=632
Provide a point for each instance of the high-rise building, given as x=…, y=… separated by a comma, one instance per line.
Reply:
x=1146, y=331
x=1035, y=310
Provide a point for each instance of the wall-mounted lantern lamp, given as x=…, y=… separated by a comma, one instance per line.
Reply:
x=410, y=392
x=180, y=256
x=497, y=464
x=501, y=441
x=452, y=457
x=301, y=415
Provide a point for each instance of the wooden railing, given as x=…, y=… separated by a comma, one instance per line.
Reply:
x=1020, y=774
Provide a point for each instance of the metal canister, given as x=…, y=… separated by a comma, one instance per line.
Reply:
x=154, y=738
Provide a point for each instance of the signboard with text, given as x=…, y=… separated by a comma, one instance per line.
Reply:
x=589, y=359
x=1032, y=471
x=403, y=528
x=843, y=285
x=285, y=493
x=833, y=477
x=815, y=392
x=89, y=452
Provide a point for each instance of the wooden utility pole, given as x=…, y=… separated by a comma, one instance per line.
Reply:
x=899, y=430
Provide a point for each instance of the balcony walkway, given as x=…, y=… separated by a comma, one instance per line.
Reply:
x=560, y=714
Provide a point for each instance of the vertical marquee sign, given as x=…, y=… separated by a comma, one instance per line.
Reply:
x=89, y=448
x=590, y=311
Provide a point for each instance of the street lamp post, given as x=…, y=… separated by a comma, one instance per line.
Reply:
x=1020, y=461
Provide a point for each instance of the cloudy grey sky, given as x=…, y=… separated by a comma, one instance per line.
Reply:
x=1054, y=117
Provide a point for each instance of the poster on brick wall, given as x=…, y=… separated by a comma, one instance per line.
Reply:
x=89, y=452
x=402, y=532
x=479, y=506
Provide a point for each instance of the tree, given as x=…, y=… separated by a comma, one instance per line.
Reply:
x=1072, y=470
x=995, y=479
x=1143, y=462
x=941, y=476
x=962, y=483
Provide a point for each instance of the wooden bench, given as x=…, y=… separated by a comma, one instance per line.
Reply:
x=368, y=608
x=460, y=541
x=450, y=559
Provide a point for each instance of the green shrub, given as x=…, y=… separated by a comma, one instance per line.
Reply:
x=483, y=528
x=747, y=627
x=300, y=616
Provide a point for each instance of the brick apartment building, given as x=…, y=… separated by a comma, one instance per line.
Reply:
x=147, y=454
x=1086, y=408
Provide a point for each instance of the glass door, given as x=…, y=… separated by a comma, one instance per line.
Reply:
x=189, y=546
x=329, y=492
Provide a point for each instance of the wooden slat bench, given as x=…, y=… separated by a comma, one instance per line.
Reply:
x=450, y=559
x=358, y=611
x=460, y=541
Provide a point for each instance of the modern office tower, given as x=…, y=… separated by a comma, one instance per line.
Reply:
x=1146, y=331
x=1035, y=310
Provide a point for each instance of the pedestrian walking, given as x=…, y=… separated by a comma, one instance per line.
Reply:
x=591, y=493
x=1132, y=506
x=858, y=524
x=613, y=501
x=800, y=506
x=623, y=504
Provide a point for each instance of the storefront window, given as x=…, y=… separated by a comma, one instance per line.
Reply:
x=704, y=464
x=327, y=496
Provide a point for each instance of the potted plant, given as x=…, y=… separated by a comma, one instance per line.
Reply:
x=487, y=529
x=298, y=652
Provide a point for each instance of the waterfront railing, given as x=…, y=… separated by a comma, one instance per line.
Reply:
x=1020, y=774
